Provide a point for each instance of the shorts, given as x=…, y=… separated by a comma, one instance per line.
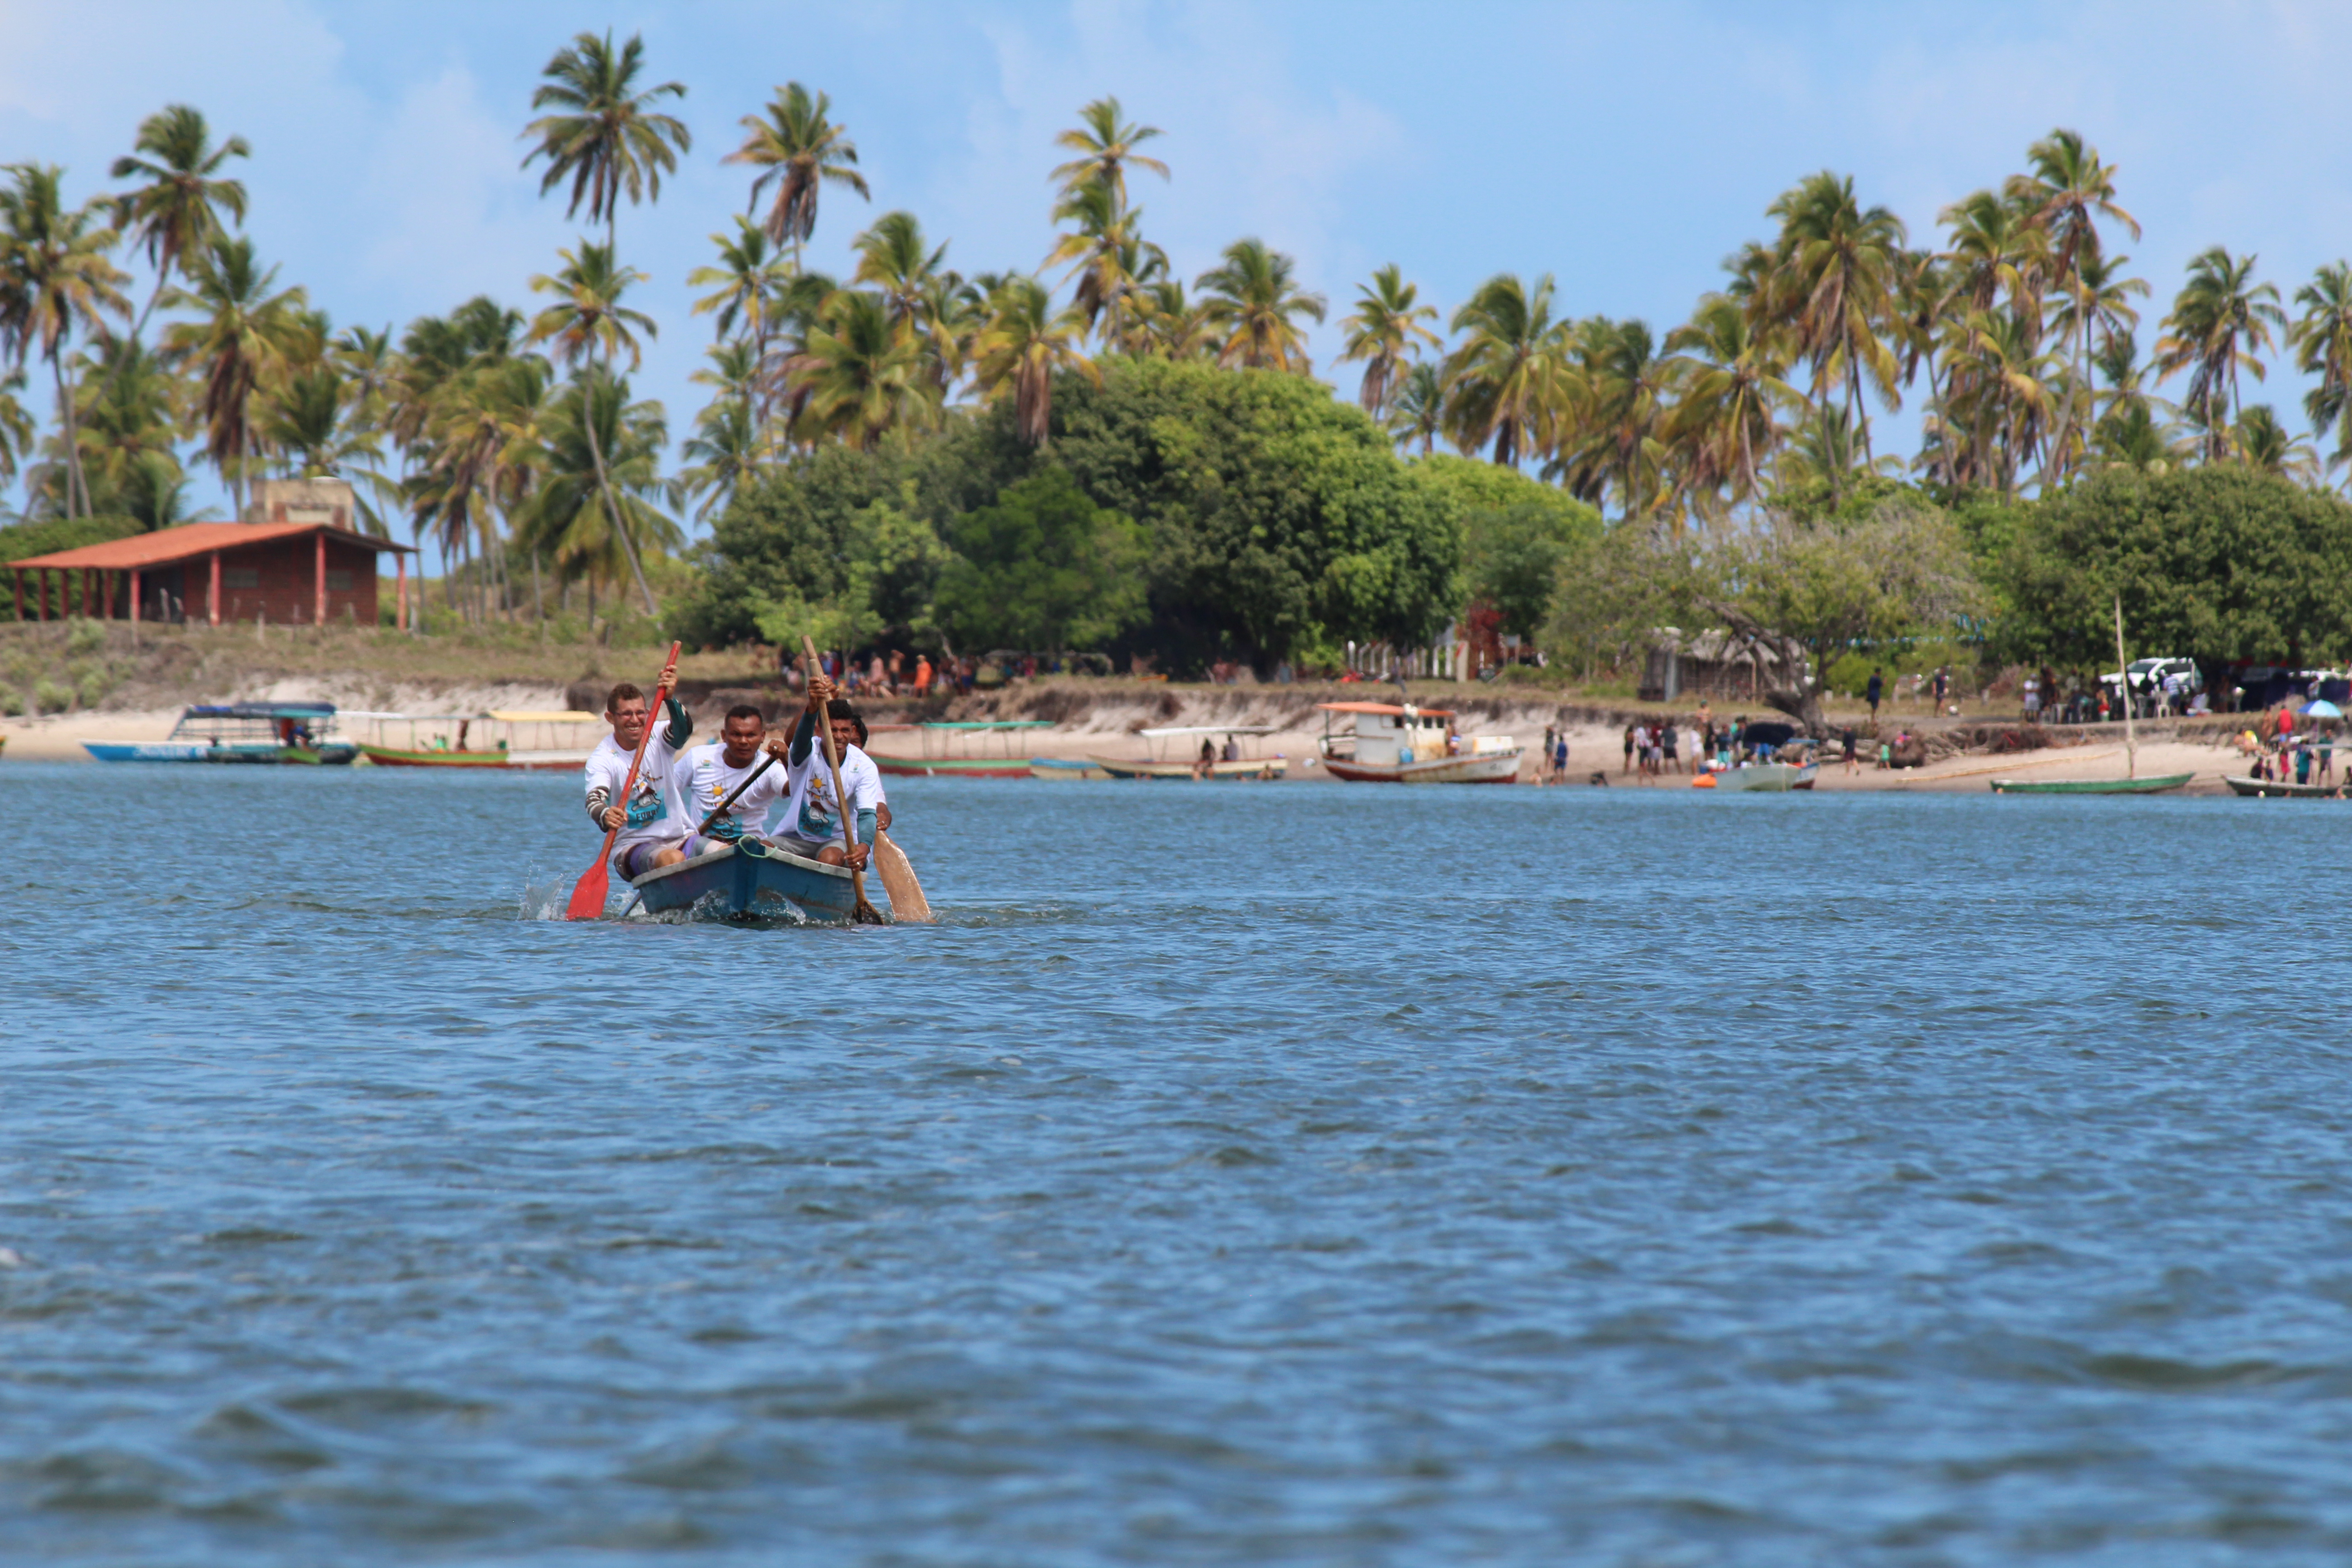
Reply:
x=806, y=849
x=634, y=860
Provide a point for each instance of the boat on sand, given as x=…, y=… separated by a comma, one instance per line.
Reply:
x=2281, y=789
x=2156, y=785
x=750, y=880
x=1399, y=744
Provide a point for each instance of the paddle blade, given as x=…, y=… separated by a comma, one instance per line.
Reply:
x=907, y=904
x=588, y=897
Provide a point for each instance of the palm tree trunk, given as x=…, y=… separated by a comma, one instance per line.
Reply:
x=74, y=488
x=613, y=507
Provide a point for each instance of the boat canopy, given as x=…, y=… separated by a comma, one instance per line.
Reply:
x=1392, y=709
x=1209, y=730
x=989, y=724
x=265, y=711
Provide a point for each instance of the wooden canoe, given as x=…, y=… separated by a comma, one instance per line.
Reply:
x=2282, y=789
x=2156, y=785
x=751, y=880
x=1246, y=768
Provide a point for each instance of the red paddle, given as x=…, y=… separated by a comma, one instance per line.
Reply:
x=588, y=899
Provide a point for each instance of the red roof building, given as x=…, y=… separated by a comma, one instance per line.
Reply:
x=291, y=574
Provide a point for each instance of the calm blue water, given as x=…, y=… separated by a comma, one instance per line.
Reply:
x=1242, y=1175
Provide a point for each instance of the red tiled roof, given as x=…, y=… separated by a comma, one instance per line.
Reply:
x=190, y=540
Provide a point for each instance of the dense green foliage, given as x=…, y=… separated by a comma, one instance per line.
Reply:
x=2215, y=564
x=1043, y=567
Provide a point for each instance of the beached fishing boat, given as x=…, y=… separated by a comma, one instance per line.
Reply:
x=2156, y=785
x=1240, y=739
x=1767, y=777
x=1393, y=743
x=557, y=737
x=2282, y=789
x=963, y=749
x=750, y=880
x=1065, y=769
x=297, y=733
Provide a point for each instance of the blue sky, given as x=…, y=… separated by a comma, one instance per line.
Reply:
x=1624, y=148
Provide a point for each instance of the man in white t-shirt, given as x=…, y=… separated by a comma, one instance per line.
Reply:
x=649, y=836
x=706, y=775
x=812, y=824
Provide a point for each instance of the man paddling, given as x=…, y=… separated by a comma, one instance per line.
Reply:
x=705, y=776
x=811, y=825
x=648, y=837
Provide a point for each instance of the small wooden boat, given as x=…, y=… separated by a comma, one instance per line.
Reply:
x=750, y=880
x=1766, y=777
x=551, y=729
x=2156, y=785
x=267, y=733
x=1393, y=743
x=1234, y=760
x=1065, y=769
x=2282, y=789
x=949, y=747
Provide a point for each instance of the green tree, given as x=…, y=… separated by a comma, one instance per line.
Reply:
x=245, y=331
x=589, y=326
x=1252, y=298
x=2221, y=321
x=1518, y=536
x=1043, y=568
x=857, y=379
x=1506, y=381
x=801, y=150
x=604, y=134
x=176, y=211
x=1834, y=283
x=595, y=505
x=1023, y=348
x=1106, y=146
x=1385, y=331
x=744, y=285
x=55, y=279
x=2322, y=339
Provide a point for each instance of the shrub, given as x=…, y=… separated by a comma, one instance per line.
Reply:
x=51, y=698
x=85, y=637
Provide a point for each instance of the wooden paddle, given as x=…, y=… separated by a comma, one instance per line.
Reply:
x=865, y=913
x=907, y=905
x=588, y=897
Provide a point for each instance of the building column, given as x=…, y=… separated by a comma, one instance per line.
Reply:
x=107, y=611
x=19, y=573
x=41, y=593
x=213, y=608
x=134, y=598
x=400, y=570
x=320, y=617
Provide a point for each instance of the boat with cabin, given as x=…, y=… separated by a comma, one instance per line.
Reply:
x=555, y=740
x=300, y=732
x=1391, y=742
x=965, y=749
x=750, y=880
x=1234, y=760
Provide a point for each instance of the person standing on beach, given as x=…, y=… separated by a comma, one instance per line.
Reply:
x=1629, y=751
x=1852, y=763
x=1671, y=760
x=1873, y=692
x=1559, y=758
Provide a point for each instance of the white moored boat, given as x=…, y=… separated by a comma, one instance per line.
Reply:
x=1393, y=743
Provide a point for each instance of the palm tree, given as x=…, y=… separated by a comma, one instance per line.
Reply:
x=894, y=256
x=1727, y=422
x=2095, y=306
x=1834, y=279
x=54, y=277
x=1622, y=396
x=243, y=333
x=588, y=325
x=603, y=136
x=2322, y=339
x=1105, y=149
x=2006, y=400
x=481, y=447
x=2067, y=193
x=1252, y=298
x=1023, y=344
x=797, y=146
x=1114, y=265
x=1384, y=332
x=744, y=283
x=2221, y=320
x=17, y=428
x=1172, y=326
x=1417, y=411
x=729, y=444
x=858, y=379
x=2265, y=445
x=177, y=213
x=1503, y=383
x=592, y=506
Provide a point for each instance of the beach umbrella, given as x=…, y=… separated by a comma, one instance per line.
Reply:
x=2323, y=709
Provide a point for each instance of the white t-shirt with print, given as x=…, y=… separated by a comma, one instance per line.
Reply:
x=650, y=814
x=703, y=778
x=809, y=813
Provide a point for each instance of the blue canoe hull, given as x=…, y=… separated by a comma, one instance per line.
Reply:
x=329, y=752
x=750, y=881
